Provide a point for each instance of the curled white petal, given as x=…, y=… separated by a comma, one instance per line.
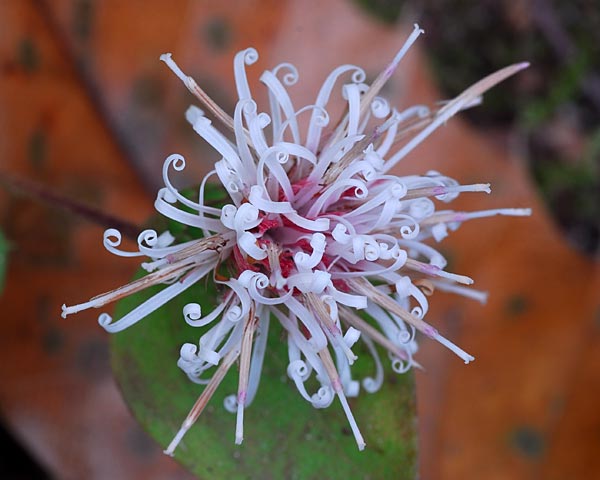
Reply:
x=310, y=282
x=247, y=243
x=351, y=336
x=112, y=239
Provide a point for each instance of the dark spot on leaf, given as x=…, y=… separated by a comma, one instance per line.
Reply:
x=148, y=92
x=28, y=55
x=37, y=148
x=346, y=431
x=92, y=358
x=528, y=441
x=140, y=444
x=217, y=34
x=53, y=340
x=516, y=305
x=83, y=17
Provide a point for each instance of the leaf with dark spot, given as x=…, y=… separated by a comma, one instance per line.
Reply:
x=28, y=55
x=528, y=441
x=37, y=149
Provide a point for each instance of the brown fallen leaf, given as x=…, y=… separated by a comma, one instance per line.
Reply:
x=87, y=109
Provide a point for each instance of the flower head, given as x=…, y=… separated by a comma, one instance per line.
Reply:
x=317, y=234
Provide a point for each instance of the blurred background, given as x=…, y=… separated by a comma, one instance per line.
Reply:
x=88, y=114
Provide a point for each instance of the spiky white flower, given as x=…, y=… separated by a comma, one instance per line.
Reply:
x=316, y=230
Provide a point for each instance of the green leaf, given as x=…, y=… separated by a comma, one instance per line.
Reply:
x=4, y=246
x=284, y=436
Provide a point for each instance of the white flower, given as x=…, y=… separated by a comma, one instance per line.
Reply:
x=317, y=229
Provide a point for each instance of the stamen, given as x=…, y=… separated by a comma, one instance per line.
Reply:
x=445, y=189
x=337, y=387
x=446, y=217
x=435, y=271
x=180, y=261
x=364, y=287
x=246, y=350
x=200, y=94
x=376, y=86
x=154, y=278
x=204, y=398
x=384, y=76
x=352, y=319
x=453, y=107
x=387, y=303
x=412, y=124
x=319, y=309
x=457, y=350
x=335, y=170
x=215, y=242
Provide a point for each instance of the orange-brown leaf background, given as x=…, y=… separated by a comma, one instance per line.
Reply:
x=87, y=110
